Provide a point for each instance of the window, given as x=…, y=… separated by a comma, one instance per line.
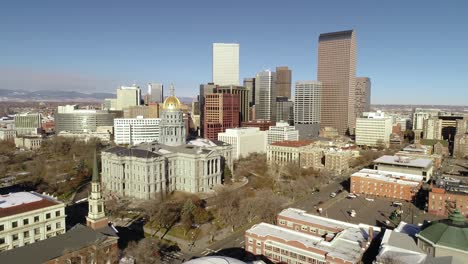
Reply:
x=14, y=224
x=48, y=227
x=14, y=237
x=36, y=219
x=26, y=221
x=37, y=231
x=26, y=234
x=47, y=216
x=2, y=227
x=57, y=213
x=58, y=225
x=250, y=240
x=259, y=243
x=2, y=240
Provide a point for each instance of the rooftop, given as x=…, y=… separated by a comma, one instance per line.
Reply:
x=21, y=202
x=42, y=251
x=336, y=35
x=291, y=143
x=404, y=161
x=387, y=176
x=400, y=247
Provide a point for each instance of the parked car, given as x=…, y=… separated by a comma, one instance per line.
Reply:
x=397, y=204
x=332, y=194
x=352, y=213
x=370, y=199
x=351, y=196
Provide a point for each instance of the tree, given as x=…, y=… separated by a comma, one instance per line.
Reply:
x=145, y=251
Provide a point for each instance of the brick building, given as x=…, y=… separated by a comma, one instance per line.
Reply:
x=386, y=184
x=221, y=112
x=264, y=125
x=446, y=196
x=337, y=161
x=304, y=238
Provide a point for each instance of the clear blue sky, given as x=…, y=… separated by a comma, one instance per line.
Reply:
x=414, y=51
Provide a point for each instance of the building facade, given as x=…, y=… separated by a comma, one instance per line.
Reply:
x=265, y=95
x=28, y=217
x=285, y=152
x=127, y=96
x=305, y=238
x=244, y=140
x=226, y=63
x=446, y=196
x=283, y=81
x=307, y=107
x=460, y=146
x=336, y=71
x=363, y=95
x=337, y=161
x=281, y=132
x=28, y=124
x=284, y=110
x=221, y=112
x=373, y=130
x=244, y=96
x=386, y=184
x=146, y=111
x=416, y=166
x=155, y=93
x=262, y=124
x=432, y=128
x=28, y=142
x=172, y=130
x=82, y=121
x=134, y=131
x=249, y=84
x=7, y=134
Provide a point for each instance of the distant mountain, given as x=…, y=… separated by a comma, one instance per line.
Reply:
x=49, y=95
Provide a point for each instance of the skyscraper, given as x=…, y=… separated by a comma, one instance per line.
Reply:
x=226, y=63
x=283, y=81
x=337, y=72
x=155, y=93
x=243, y=99
x=249, y=84
x=221, y=112
x=307, y=107
x=363, y=95
x=128, y=96
x=265, y=95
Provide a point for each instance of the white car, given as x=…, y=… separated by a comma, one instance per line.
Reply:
x=397, y=204
x=332, y=194
x=369, y=199
x=351, y=196
x=352, y=213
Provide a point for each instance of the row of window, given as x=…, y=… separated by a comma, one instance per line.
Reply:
x=26, y=234
x=26, y=221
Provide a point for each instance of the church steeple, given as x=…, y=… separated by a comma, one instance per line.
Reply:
x=96, y=215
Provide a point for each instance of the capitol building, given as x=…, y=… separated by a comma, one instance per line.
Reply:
x=149, y=169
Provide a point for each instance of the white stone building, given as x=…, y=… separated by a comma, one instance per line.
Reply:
x=244, y=140
x=281, y=132
x=134, y=131
x=27, y=217
x=373, y=130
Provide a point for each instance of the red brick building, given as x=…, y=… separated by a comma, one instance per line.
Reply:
x=221, y=112
x=304, y=238
x=442, y=201
x=386, y=184
x=264, y=125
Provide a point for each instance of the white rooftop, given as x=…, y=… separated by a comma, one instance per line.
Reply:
x=202, y=142
x=389, y=176
x=18, y=198
x=214, y=260
x=404, y=161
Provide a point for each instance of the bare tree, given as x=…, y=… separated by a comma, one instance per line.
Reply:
x=145, y=251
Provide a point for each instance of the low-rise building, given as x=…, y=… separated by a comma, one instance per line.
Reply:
x=134, y=131
x=386, y=184
x=281, y=132
x=446, y=196
x=27, y=217
x=284, y=152
x=337, y=161
x=312, y=157
x=145, y=111
x=103, y=136
x=446, y=238
x=263, y=124
x=305, y=238
x=7, y=134
x=329, y=132
x=28, y=142
x=436, y=158
x=244, y=140
x=417, y=166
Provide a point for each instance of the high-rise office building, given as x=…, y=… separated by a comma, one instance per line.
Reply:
x=307, y=107
x=283, y=81
x=265, y=95
x=221, y=112
x=337, y=72
x=155, y=93
x=284, y=110
x=373, y=129
x=204, y=90
x=128, y=96
x=243, y=99
x=249, y=84
x=363, y=95
x=226, y=63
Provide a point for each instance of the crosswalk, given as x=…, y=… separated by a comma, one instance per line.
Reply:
x=208, y=251
x=171, y=257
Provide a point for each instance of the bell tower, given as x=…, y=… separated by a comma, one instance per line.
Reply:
x=96, y=215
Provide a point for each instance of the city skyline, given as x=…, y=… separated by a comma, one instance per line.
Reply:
x=90, y=50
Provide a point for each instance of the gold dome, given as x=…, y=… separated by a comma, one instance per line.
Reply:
x=171, y=102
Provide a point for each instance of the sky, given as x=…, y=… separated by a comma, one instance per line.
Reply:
x=415, y=52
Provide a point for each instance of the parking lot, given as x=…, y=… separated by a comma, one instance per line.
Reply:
x=374, y=211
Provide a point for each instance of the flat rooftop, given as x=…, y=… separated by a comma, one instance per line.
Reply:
x=21, y=202
x=388, y=176
x=404, y=161
x=292, y=143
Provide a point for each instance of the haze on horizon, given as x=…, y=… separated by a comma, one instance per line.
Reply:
x=414, y=52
